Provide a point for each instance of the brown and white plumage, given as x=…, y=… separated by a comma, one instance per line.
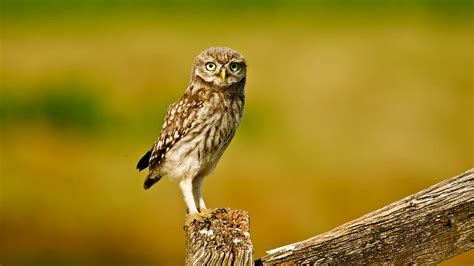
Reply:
x=200, y=125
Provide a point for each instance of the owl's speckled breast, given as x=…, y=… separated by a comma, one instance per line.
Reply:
x=199, y=151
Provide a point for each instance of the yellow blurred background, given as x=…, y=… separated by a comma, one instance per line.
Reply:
x=350, y=106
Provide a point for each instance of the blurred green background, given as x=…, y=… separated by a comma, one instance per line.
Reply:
x=351, y=105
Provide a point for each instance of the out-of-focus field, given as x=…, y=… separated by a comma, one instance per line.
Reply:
x=346, y=112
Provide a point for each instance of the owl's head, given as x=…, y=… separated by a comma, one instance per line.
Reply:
x=220, y=66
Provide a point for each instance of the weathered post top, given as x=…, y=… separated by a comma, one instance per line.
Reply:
x=221, y=239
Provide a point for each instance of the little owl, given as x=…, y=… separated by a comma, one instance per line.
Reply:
x=200, y=125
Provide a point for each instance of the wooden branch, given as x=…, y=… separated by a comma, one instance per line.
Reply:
x=425, y=228
x=223, y=239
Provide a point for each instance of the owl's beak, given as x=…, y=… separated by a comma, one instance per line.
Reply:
x=223, y=74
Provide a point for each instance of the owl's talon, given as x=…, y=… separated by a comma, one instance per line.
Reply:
x=200, y=217
x=208, y=213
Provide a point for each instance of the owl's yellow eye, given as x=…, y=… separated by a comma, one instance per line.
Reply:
x=210, y=66
x=234, y=66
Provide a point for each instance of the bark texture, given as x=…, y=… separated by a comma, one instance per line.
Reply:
x=425, y=228
x=223, y=239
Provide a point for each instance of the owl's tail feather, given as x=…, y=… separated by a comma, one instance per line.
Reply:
x=151, y=179
x=144, y=161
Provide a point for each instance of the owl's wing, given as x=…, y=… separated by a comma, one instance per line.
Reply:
x=179, y=120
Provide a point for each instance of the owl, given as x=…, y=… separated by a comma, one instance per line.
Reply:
x=200, y=125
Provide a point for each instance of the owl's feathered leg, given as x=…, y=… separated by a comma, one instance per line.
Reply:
x=196, y=196
x=197, y=184
x=187, y=190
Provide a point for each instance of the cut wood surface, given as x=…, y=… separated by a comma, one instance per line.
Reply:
x=222, y=239
x=425, y=228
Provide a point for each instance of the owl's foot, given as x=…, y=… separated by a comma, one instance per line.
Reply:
x=208, y=213
x=200, y=217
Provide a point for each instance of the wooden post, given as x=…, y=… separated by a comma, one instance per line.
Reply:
x=223, y=239
x=425, y=228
